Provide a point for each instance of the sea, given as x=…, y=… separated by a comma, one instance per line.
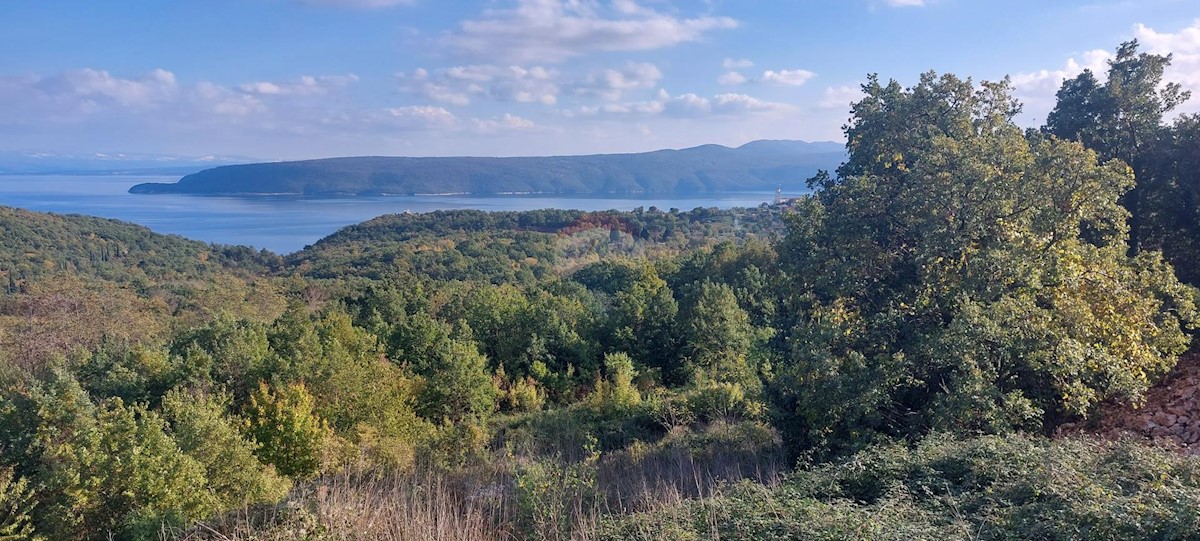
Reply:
x=285, y=224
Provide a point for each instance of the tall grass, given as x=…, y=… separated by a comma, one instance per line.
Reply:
x=560, y=502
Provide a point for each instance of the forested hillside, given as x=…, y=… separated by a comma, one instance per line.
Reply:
x=887, y=358
x=759, y=165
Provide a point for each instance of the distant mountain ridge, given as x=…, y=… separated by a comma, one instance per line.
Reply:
x=13, y=162
x=756, y=165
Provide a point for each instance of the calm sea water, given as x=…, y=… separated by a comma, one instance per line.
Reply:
x=285, y=224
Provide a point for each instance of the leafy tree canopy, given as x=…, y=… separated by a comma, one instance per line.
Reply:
x=957, y=275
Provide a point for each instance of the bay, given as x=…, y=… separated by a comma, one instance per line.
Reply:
x=285, y=224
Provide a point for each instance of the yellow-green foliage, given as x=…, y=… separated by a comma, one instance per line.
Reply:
x=959, y=275
x=16, y=508
x=289, y=433
x=718, y=338
x=110, y=469
x=458, y=386
x=616, y=393
x=234, y=476
x=365, y=398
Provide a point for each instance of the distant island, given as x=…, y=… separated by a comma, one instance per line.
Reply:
x=757, y=165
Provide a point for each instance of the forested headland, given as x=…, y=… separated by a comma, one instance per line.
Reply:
x=890, y=357
x=758, y=165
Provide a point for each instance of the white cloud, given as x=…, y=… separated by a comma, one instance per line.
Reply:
x=788, y=77
x=505, y=122
x=741, y=103
x=417, y=116
x=733, y=64
x=782, y=77
x=225, y=102
x=457, y=85
x=306, y=85
x=1037, y=89
x=691, y=105
x=1095, y=60
x=731, y=78
x=91, y=100
x=905, y=3
x=89, y=88
x=611, y=84
x=1184, y=46
x=555, y=30
x=840, y=97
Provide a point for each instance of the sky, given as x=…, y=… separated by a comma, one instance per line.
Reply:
x=296, y=79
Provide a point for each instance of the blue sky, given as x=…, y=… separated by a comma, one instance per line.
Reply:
x=289, y=79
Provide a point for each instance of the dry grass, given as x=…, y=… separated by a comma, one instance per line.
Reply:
x=484, y=504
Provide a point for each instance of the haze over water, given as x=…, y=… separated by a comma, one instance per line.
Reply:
x=285, y=224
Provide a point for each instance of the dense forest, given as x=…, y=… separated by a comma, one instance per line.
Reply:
x=758, y=165
x=890, y=357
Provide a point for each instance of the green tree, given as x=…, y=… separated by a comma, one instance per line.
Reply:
x=1176, y=221
x=16, y=508
x=959, y=276
x=202, y=429
x=643, y=323
x=616, y=392
x=1123, y=119
x=239, y=349
x=718, y=337
x=110, y=470
x=366, y=398
x=289, y=433
x=458, y=387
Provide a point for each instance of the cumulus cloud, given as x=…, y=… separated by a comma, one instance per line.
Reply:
x=545, y=31
x=77, y=96
x=691, y=105
x=795, y=77
x=840, y=97
x=1184, y=46
x=731, y=78
x=1050, y=79
x=157, y=103
x=787, y=77
x=504, y=122
x=1037, y=89
x=304, y=86
x=416, y=117
x=461, y=85
x=733, y=64
x=224, y=102
x=458, y=85
x=91, y=89
x=611, y=84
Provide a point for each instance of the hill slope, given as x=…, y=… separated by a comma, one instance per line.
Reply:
x=710, y=168
x=38, y=244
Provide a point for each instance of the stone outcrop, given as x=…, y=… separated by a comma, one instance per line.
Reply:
x=1170, y=415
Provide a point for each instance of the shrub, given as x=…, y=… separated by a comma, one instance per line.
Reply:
x=289, y=434
x=986, y=488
